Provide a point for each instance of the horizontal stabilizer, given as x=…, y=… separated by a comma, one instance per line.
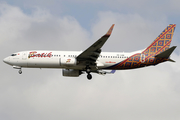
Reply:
x=166, y=53
x=171, y=60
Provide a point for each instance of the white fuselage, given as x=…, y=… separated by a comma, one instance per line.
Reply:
x=54, y=59
x=75, y=63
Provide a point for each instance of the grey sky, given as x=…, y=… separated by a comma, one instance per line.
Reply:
x=151, y=93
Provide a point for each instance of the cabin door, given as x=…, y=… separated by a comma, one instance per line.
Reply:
x=24, y=56
x=143, y=58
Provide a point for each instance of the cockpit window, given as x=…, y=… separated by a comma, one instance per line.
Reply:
x=13, y=54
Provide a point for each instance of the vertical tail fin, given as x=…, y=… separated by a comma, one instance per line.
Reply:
x=162, y=42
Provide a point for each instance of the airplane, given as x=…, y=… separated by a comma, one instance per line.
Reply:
x=93, y=60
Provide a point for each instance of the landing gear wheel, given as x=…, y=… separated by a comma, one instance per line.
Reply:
x=89, y=76
x=20, y=71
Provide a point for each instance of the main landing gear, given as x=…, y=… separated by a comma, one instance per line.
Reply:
x=89, y=76
x=88, y=70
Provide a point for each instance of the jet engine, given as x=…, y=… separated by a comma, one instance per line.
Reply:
x=67, y=61
x=71, y=72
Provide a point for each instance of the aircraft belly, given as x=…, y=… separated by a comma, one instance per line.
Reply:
x=22, y=63
x=43, y=63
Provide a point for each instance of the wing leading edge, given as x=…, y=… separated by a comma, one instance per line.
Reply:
x=90, y=55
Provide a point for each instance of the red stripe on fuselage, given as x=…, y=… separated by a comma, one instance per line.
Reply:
x=126, y=60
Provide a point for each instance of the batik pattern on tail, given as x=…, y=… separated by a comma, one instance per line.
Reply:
x=146, y=58
x=162, y=42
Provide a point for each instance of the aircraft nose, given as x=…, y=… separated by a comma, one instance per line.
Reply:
x=6, y=60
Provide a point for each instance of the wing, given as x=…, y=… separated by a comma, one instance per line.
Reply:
x=90, y=55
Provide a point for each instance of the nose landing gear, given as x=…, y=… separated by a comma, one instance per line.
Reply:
x=20, y=71
x=18, y=67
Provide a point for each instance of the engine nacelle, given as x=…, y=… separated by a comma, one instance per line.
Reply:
x=71, y=72
x=67, y=61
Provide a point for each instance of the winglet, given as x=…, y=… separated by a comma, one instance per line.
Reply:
x=110, y=31
x=104, y=72
x=113, y=71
